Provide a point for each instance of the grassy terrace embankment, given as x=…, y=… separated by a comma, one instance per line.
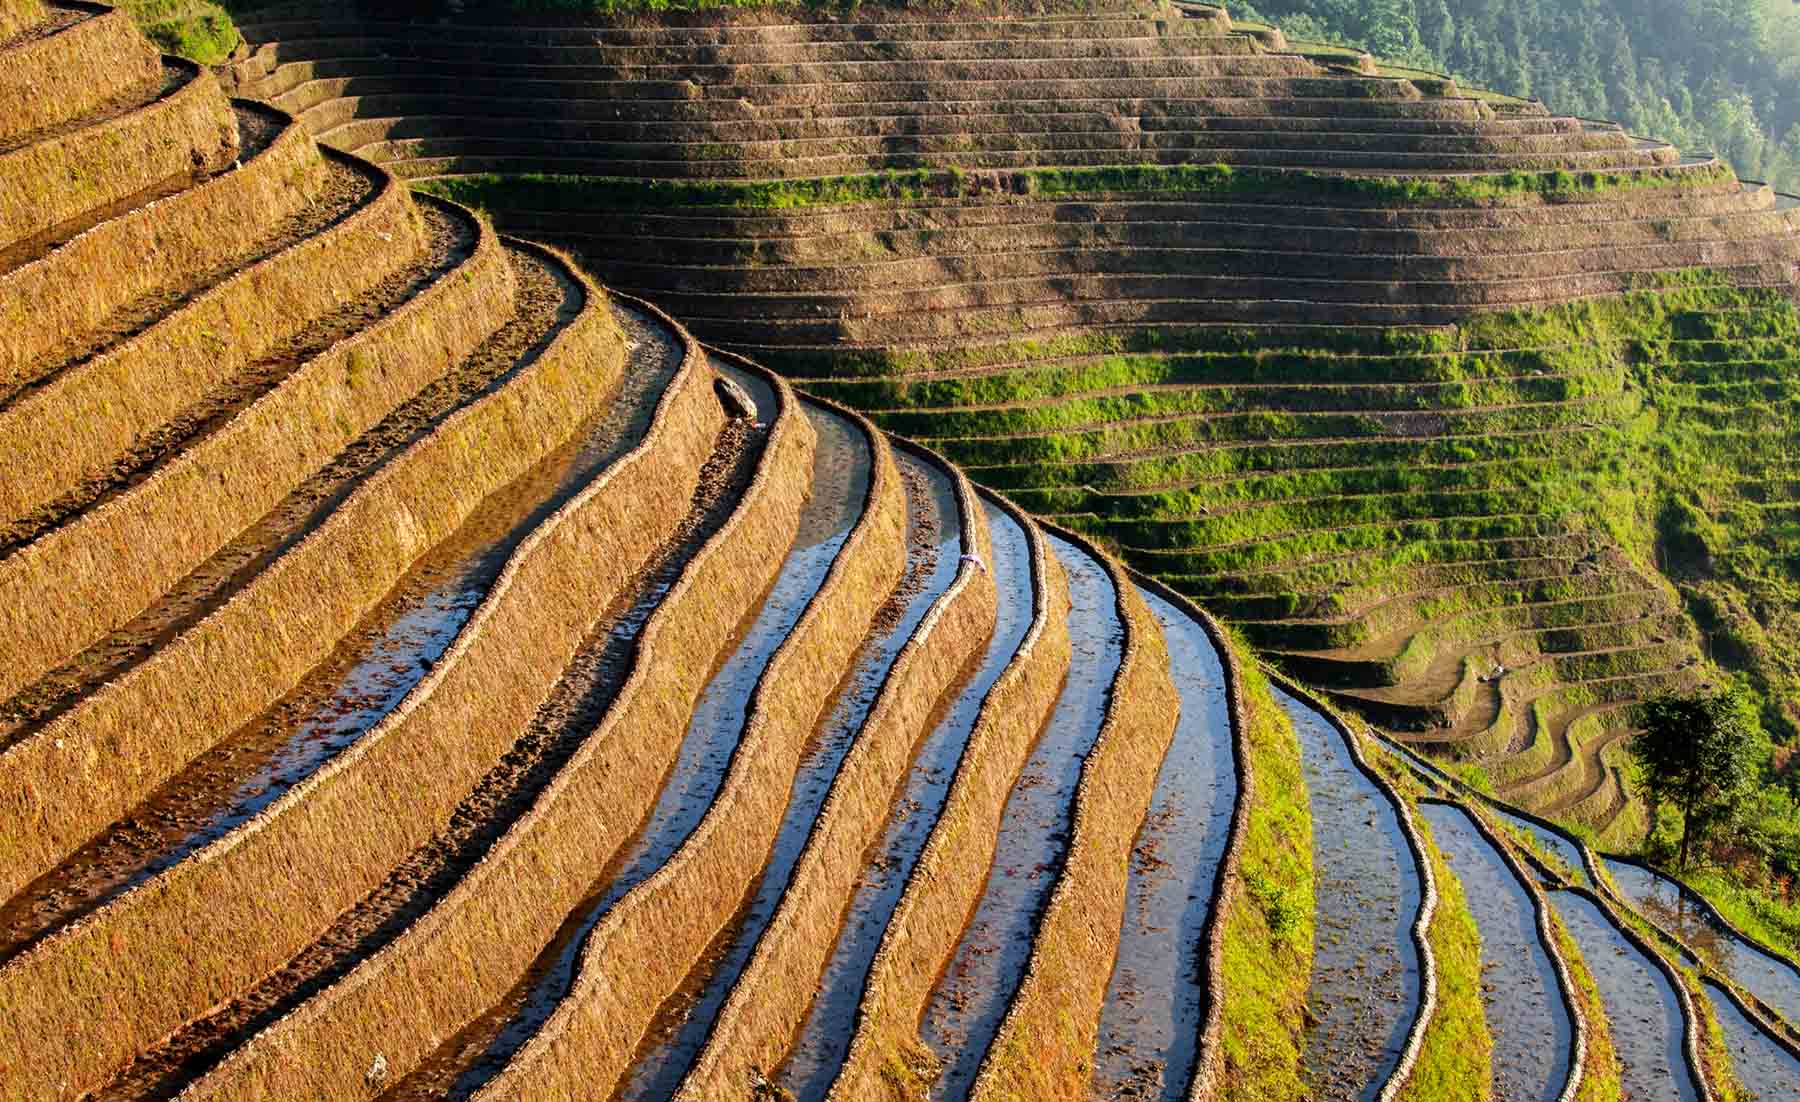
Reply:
x=1026, y=262
x=164, y=247
x=358, y=554
x=1265, y=937
x=1403, y=513
x=105, y=46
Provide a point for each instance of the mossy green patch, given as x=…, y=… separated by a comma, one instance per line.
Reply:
x=563, y=192
x=198, y=29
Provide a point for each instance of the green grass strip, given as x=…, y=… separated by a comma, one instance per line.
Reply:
x=1268, y=932
x=565, y=192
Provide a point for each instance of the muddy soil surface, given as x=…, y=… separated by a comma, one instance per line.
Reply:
x=1150, y=1026
x=1641, y=1007
x=22, y=252
x=1366, y=983
x=1534, y=1036
x=971, y=998
x=347, y=188
x=934, y=548
x=547, y=299
x=1662, y=901
x=825, y=1037
x=375, y=666
x=564, y=721
x=1763, y=1066
x=842, y=460
x=450, y=239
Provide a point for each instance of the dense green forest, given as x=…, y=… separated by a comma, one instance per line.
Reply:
x=1719, y=74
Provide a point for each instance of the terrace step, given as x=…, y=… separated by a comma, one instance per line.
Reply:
x=117, y=62
x=390, y=949
x=96, y=414
x=181, y=128
x=338, y=377
x=556, y=535
x=302, y=542
x=22, y=19
x=720, y=810
x=160, y=254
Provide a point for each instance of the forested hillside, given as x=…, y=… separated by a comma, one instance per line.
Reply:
x=1699, y=73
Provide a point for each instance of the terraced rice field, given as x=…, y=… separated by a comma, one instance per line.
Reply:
x=427, y=672
x=1528, y=1006
x=1042, y=245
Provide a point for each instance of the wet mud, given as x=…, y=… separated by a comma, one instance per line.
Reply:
x=1366, y=983
x=825, y=1037
x=965, y=1010
x=1150, y=1026
x=1534, y=1036
x=1641, y=1008
x=842, y=461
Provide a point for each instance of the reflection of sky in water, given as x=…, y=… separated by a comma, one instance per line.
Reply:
x=1552, y=843
x=1152, y=1018
x=1641, y=1008
x=1365, y=984
x=657, y=1072
x=704, y=755
x=369, y=690
x=1662, y=901
x=965, y=1010
x=830, y=1023
x=1761, y=1064
x=1533, y=1034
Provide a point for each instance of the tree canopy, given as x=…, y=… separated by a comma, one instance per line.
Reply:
x=1701, y=754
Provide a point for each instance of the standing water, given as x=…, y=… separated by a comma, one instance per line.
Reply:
x=1365, y=984
x=1647, y=1027
x=1534, y=1037
x=825, y=1037
x=712, y=735
x=1561, y=850
x=934, y=551
x=1662, y=900
x=965, y=1010
x=1763, y=1066
x=1150, y=1027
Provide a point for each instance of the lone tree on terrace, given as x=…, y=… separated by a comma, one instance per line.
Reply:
x=1700, y=753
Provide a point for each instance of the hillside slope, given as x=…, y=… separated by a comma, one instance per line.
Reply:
x=426, y=673
x=1417, y=384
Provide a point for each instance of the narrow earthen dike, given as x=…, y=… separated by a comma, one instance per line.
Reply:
x=424, y=669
